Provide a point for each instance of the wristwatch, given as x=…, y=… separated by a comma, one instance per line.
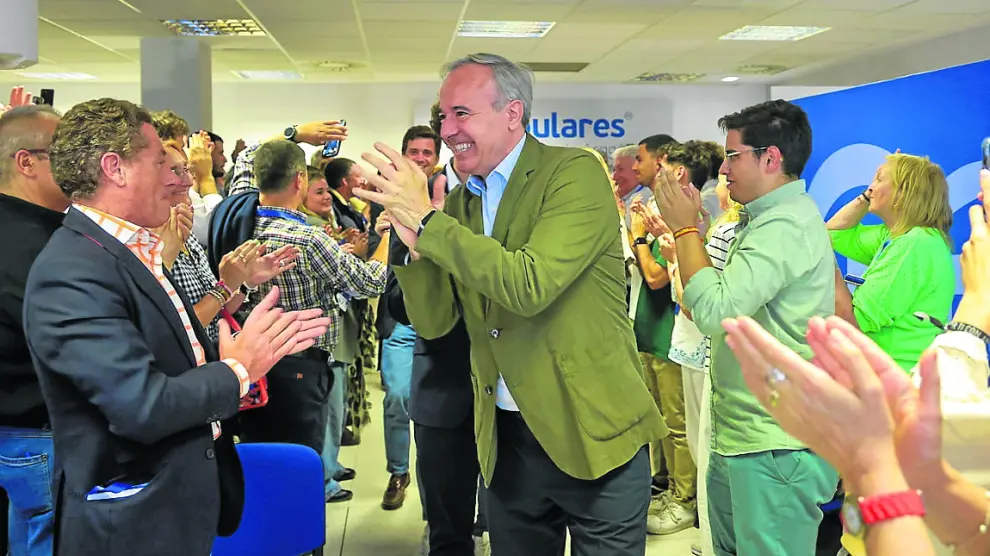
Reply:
x=425, y=221
x=858, y=514
x=969, y=329
x=290, y=133
x=246, y=290
x=641, y=241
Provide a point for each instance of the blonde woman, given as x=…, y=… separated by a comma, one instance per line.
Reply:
x=910, y=263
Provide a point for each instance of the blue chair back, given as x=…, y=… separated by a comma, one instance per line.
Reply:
x=284, y=506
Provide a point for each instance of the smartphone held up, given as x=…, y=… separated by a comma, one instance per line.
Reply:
x=332, y=148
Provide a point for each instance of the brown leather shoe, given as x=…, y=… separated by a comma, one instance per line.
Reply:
x=395, y=493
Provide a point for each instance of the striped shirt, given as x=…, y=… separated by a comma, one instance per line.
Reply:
x=147, y=247
x=718, y=251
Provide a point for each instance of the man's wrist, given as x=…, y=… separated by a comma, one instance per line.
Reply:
x=876, y=472
x=243, y=377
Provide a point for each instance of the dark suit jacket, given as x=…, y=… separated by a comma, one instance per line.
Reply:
x=441, y=394
x=128, y=403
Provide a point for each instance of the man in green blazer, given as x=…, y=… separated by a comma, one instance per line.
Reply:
x=529, y=253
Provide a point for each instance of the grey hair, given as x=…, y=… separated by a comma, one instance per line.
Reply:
x=16, y=137
x=513, y=81
x=628, y=150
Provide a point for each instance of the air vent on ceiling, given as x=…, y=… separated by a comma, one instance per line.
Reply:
x=334, y=66
x=762, y=69
x=214, y=27
x=557, y=67
x=668, y=77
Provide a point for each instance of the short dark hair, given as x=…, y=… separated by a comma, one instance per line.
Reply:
x=775, y=123
x=336, y=170
x=276, y=163
x=88, y=131
x=214, y=137
x=657, y=144
x=695, y=157
x=716, y=155
x=420, y=132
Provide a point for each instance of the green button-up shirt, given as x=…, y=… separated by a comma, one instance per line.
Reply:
x=780, y=271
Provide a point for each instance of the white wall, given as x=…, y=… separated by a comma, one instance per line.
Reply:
x=382, y=112
x=786, y=92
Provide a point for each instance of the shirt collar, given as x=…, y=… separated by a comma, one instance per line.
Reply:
x=639, y=190
x=452, y=179
x=782, y=193
x=477, y=185
x=122, y=230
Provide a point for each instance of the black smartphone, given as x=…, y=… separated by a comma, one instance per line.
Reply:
x=48, y=97
x=985, y=148
x=332, y=148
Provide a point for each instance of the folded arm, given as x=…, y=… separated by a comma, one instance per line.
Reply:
x=576, y=224
x=79, y=328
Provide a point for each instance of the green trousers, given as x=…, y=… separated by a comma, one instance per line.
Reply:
x=663, y=378
x=767, y=503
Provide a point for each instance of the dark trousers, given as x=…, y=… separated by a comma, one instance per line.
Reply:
x=447, y=460
x=532, y=503
x=298, y=389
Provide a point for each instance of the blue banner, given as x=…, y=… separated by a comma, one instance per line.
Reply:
x=943, y=114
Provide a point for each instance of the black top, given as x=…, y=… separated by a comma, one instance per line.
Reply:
x=25, y=228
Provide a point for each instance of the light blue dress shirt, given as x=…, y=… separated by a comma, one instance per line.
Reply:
x=490, y=189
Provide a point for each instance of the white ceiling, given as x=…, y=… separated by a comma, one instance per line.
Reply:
x=408, y=40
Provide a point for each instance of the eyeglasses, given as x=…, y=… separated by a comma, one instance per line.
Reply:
x=730, y=157
x=34, y=152
x=180, y=171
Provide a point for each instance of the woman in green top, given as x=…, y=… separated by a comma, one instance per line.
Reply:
x=910, y=263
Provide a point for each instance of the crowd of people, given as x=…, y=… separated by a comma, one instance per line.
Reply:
x=599, y=350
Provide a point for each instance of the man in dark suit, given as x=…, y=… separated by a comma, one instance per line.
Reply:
x=440, y=405
x=135, y=390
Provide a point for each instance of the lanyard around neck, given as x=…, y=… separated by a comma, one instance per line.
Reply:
x=276, y=213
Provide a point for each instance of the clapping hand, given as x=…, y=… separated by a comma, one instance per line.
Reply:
x=265, y=267
x=269, y=334
x=679, y=205
x=401, y=187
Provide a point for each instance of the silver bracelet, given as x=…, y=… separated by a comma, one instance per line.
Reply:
x=984, y=527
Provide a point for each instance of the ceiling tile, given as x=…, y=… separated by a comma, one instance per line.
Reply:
x=706, y=23
x=767, y=4
x=821, y=18
x=189, y=9
x=426, y=30
x=858, y=5
x=517, y=12
x=946, y=7
x=409, y=11
x=90, y=9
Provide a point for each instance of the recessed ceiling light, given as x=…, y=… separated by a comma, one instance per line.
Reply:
x=71, y=76
x=730, y=79
x=214, y=27
x=772, y=33
x=505, y=29
x=762, y=69
x=268, y=75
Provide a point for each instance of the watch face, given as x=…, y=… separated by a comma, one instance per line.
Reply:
x=852, y=519
x=289, y=132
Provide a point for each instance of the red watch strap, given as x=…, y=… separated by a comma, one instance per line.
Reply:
x=890, y=506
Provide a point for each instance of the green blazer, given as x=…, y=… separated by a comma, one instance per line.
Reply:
x=544, y=303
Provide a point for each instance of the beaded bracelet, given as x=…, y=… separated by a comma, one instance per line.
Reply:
x=984, y=527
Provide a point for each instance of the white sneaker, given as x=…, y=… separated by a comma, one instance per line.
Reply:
x=659, y=502
x=672, y=519
x=695, y=550
x=482, y=547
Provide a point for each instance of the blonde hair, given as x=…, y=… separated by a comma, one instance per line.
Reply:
x=731, y=214
x=921, y=195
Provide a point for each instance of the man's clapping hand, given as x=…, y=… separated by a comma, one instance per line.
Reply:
x=271, y=333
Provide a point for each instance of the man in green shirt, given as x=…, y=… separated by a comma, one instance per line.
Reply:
x=764, y=486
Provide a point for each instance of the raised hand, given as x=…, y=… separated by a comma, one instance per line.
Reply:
x=18, y=97
x=678, y=206
x=401, y=187
x=235, y=267
x=318, y=133
x=265, y=267
x=269, y=334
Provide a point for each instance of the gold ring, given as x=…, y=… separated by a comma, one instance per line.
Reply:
x=774, y=398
